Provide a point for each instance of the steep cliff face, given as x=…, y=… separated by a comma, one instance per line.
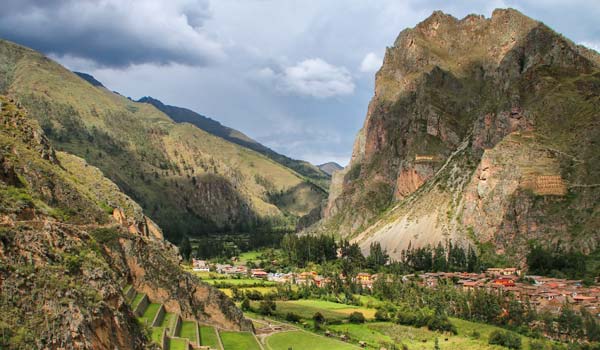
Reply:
x=480, y=130
x=70, y=241
x=213, y=185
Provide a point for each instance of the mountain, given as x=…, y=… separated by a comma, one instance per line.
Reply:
x=71, y=243
x=189, y=181
x=89, y=78
x=330, y=167
x=482, y=130
x=184, y=115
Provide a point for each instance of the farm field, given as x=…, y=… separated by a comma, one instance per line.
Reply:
x=208, y=337
x=307, y=308
x=188, y=330
x=301, y=340
x=262, y=290
x=177, y=344
x=239, y=341
x=379, y=334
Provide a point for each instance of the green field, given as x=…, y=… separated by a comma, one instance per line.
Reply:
x=188, y=330
x=177, y=344
x=380, y=334
x=262, y=290
x=151, y=311
x=157, y=334
x=166, y=322
x=209, y=337
x=307, y=308
x=136, y=300
x=248, y=256
x=250, y=282
x=300, y=340
x=239, y=341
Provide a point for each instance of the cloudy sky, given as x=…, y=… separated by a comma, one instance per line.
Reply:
x=295, y=75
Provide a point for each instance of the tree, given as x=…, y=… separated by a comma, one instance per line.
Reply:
x=267, y=307
x=185, y=248
x=377, y=257
x=569, y=322
x=506, y=339
x=356, y=317
x=245, y=306
x=319, y=320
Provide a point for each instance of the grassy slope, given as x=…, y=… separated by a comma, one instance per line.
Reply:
x=183, y=115
x=147, y=154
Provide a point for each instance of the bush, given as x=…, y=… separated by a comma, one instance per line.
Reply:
x=506, y=339
x=105, y=235
x=245, y=305
x=476, y=335
x=267, y=307
x=382, y=315
x=292, y=317
x=319, y=319
x=441, y=323
x=356, y=317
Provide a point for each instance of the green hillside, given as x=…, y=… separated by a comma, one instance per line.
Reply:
x=212, y=185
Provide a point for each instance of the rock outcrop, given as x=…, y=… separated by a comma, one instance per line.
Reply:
x=69, y=243
x=479, y=131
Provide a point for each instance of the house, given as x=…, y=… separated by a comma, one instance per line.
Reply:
x=200, y=265
x=258, y=273
x=503, y=271
x=505, y=282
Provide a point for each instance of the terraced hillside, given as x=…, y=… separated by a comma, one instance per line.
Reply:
x=212, y=185
x=69, y=239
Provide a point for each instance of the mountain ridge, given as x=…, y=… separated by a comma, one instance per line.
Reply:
x=185, y=115
x=213, y=185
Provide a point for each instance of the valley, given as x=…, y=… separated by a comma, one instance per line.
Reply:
x=467, y=216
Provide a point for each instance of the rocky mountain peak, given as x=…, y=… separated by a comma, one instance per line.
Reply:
x=450, y=91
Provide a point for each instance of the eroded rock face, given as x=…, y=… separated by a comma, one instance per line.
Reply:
x=451, y=99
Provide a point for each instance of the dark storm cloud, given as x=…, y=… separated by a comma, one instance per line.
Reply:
x=113, y=32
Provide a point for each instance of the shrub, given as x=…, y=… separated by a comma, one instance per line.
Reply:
x=441, y=323
x=506, y=339
x=105, y=235
x=476, y=335
x=356, y=317
x=382, y=315
x=292, y=317
x=245, y=306
x=319, y=319
x=267, y=307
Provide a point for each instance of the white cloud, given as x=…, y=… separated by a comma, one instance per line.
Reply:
x=115, y=32
x=311, y=77
x=371, y=63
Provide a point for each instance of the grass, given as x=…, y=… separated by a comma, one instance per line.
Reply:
x=157, y=333
x=262, y=290
x=248, y=256
x=166, y=322
x=136, y=300
x=380, y=334
x=177, y=344
x=239, y=341
x=208, y=337
x=189, y=330
x=300, y=340
x=250, y=282
x=332, y=311
x=151, y=311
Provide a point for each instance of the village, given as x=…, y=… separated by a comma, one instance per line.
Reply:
x=544, y=293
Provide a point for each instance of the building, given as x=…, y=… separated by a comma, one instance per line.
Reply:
x=200, y=265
